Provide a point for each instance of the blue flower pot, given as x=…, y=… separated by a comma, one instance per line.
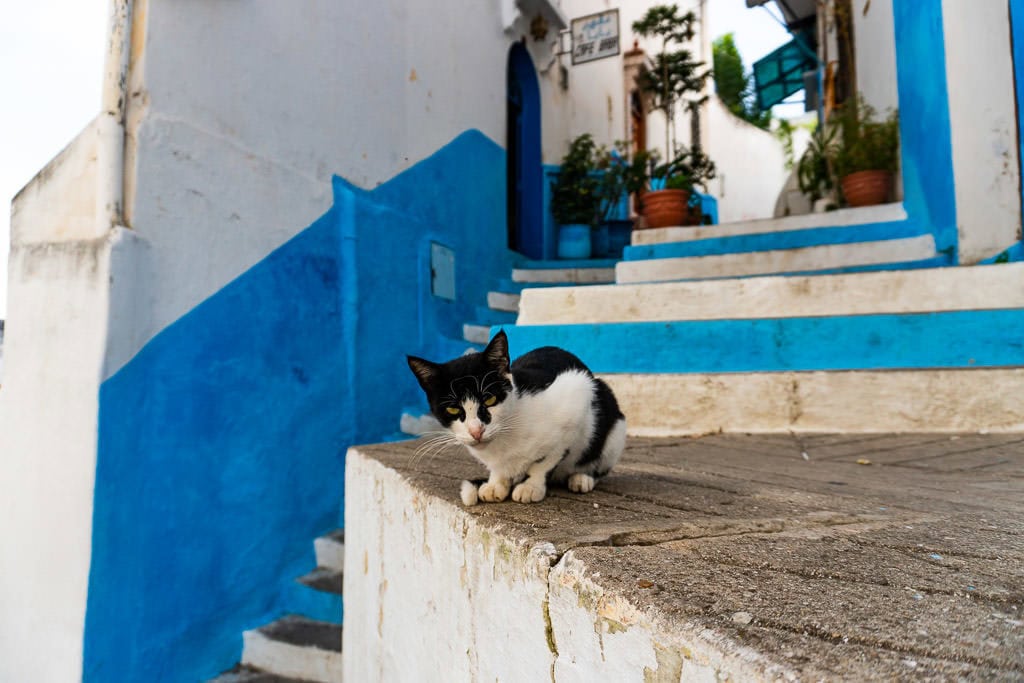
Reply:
x=599, y=241
x=574, y=241
x=619, y=234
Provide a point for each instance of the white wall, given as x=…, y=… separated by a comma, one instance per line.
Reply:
x=751, y=166
x=59, y=280
x=232, y=161
x=983, y=122
x=875, y=53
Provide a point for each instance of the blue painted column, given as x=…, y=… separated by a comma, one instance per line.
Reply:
x=925, y=137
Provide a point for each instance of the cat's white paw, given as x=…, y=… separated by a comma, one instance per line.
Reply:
x=468, y=493
x=581, y=483
x=529, y=492
x=492, y=492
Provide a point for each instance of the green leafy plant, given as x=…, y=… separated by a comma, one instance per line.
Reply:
x=687, y=170
x=619, y=176
x=675, y=72
x=814, y=171
x=865, y=144
x=574, y=198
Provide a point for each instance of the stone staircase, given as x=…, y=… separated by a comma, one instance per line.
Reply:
x=296, y=648
x=785, y=325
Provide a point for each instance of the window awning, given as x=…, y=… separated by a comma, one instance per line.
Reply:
x=781, y=73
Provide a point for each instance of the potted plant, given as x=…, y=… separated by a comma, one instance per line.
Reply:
x=814, y=173
x=866, y=155
x=673, y=75
x=619, y=178
x=574, y=200
x=673, y=199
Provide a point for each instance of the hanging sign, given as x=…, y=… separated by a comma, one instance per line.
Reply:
x=595, y=36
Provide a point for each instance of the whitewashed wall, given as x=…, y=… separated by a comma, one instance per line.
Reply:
x=751, y=166
x=58, y=284
x=983, y=121
x=245, y=146
x=875, y=40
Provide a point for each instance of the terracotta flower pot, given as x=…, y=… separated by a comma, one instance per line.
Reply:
x=867, y=188
x=667, y=208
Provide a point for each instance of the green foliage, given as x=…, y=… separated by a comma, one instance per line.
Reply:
x=734, y=85
x=619, y=175
x=814, y=170
x=574, y=197
x=866, y=144
x=687, y=170
x=852, y=141
x=675, y=72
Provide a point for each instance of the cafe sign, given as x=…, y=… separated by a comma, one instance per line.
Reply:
x=595, y=36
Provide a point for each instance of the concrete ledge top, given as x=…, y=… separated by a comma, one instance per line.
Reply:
x=851, y=556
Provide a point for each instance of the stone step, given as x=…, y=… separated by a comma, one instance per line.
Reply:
x=476, y=334
x=417, y=423
x=853, y=402
x=324, y=579
x=330, y=550
x=885, y=213
x=503, y=301
x=804, y=259
x=296, y=647
x=555, y=275
x=898, y=291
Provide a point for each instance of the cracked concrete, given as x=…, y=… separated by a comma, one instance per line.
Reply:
x=729, y=556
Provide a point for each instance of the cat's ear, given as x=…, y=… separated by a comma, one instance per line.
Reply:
x=497, y=352
x=424, y=370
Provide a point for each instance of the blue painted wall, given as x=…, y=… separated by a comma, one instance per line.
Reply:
x=221, y=443
x=959, y=339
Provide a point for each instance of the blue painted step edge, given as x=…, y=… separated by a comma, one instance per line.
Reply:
x=956, y=339
x=772, y=241
x=492, y=316
x=512, y=287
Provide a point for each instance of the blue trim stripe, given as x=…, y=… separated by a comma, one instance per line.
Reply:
x=959, y=339
x=771, y=241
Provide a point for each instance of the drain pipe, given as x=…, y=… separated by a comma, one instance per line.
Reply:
x=110, y=123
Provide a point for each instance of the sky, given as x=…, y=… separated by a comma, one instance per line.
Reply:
x=51, y=75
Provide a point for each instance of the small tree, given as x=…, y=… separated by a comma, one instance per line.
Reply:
x=675, y=72
x=734, y=85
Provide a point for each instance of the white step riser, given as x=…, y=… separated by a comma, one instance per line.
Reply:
x=284, y=659
x=502, y=301
x=849, y=402
x=782, y=261
x=907, y=291
x=418, y=425
x=563, y=275
x=832, y=219
x=476, y=334
x=330, y=554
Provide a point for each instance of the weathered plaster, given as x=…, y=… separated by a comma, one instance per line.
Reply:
x=983, y=122
x=854, y=402
x=896, y=291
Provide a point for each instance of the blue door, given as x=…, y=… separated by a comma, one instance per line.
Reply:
x=525, y=189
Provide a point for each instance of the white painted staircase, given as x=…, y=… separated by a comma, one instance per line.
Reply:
x=726, y=355
x=294, y=648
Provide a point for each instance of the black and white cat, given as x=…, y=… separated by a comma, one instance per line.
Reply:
x=543, y=419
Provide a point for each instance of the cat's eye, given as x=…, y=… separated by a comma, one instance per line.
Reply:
x=452, y=410
x=490, y=401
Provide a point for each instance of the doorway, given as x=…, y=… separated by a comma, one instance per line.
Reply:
x=523, y=156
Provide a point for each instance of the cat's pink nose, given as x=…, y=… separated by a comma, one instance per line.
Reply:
x=477, y=432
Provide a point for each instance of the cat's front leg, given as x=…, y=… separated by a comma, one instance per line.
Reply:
x=496, y=489
x=535, y=487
